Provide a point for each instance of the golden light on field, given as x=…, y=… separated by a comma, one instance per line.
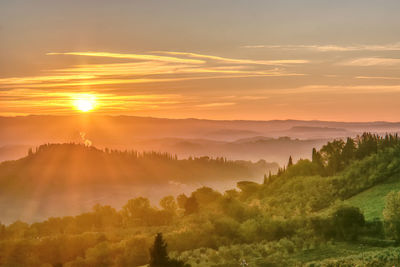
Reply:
x=84, y=102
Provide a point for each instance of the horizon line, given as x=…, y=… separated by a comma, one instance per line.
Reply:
x=192, y=118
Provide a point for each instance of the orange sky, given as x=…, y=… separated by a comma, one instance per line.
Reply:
x=225, y=60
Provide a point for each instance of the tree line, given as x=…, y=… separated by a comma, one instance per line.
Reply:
x=338, y=154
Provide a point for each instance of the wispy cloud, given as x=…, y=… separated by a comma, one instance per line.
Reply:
x=51, y=92
x=147, y=69
x=115, y=81
x=132, y=56
x=238, y=61
x=41, y=79
x=377, y=77
x=332, y=48
x=158, y=68
x=371, y=61
x=254, y=97
x=217, y=104
x=339, y=89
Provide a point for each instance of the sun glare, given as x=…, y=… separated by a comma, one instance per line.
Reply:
x=84, y=103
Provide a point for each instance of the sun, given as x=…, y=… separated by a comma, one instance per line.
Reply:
x=84, y=102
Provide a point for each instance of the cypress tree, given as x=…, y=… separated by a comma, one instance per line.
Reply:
x=317, y=160
x=159, y=256
x=349, y=150
x=158, y=252
x=290, y=163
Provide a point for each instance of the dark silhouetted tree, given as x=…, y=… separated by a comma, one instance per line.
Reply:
x=348, y=222
x=265, y=181
x=30, y=152
x=332, y=156
x=367, y=144
x=317, y=160
x=290, y=162
x=158, y=252
x=159, y=256
x=349, y=150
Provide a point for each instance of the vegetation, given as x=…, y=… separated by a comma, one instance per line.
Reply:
x=391, y=215
x=85, y=164
x=61, y=172
x=159, y=256
x=372, y=201
x=299, y=216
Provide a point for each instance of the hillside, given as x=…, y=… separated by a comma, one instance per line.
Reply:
x=300, y=216
x=372, y=201
x=363, y=180
x=73, y=177
x=254, y=148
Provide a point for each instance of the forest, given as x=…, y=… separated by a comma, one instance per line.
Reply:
x=301, y=215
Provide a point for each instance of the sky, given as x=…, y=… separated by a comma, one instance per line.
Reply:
x=219, y=59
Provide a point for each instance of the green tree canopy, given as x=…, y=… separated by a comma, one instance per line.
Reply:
x=391, y=215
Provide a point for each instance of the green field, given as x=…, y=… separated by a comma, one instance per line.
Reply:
x=333, y=250
x=372, y=201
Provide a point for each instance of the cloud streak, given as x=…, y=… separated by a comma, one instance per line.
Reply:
x=372, y=61
x=217, y=104
x=239, y=61
x=132, y=56
x=332, y=48
x=377, y=77
x=147, y=68
x=339, y=89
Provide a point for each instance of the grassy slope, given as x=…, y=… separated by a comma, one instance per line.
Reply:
x=372, y=201
x=331, y=251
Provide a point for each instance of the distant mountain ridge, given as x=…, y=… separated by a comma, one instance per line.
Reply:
x=104, y=129
x=218, y=138
x=316, y=129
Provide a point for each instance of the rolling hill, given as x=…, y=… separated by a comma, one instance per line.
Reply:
x=296, y=217
x=372, y=201
x=70, y=178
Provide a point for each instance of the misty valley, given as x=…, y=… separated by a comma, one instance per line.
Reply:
x=72, y=204
x=65, y=179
